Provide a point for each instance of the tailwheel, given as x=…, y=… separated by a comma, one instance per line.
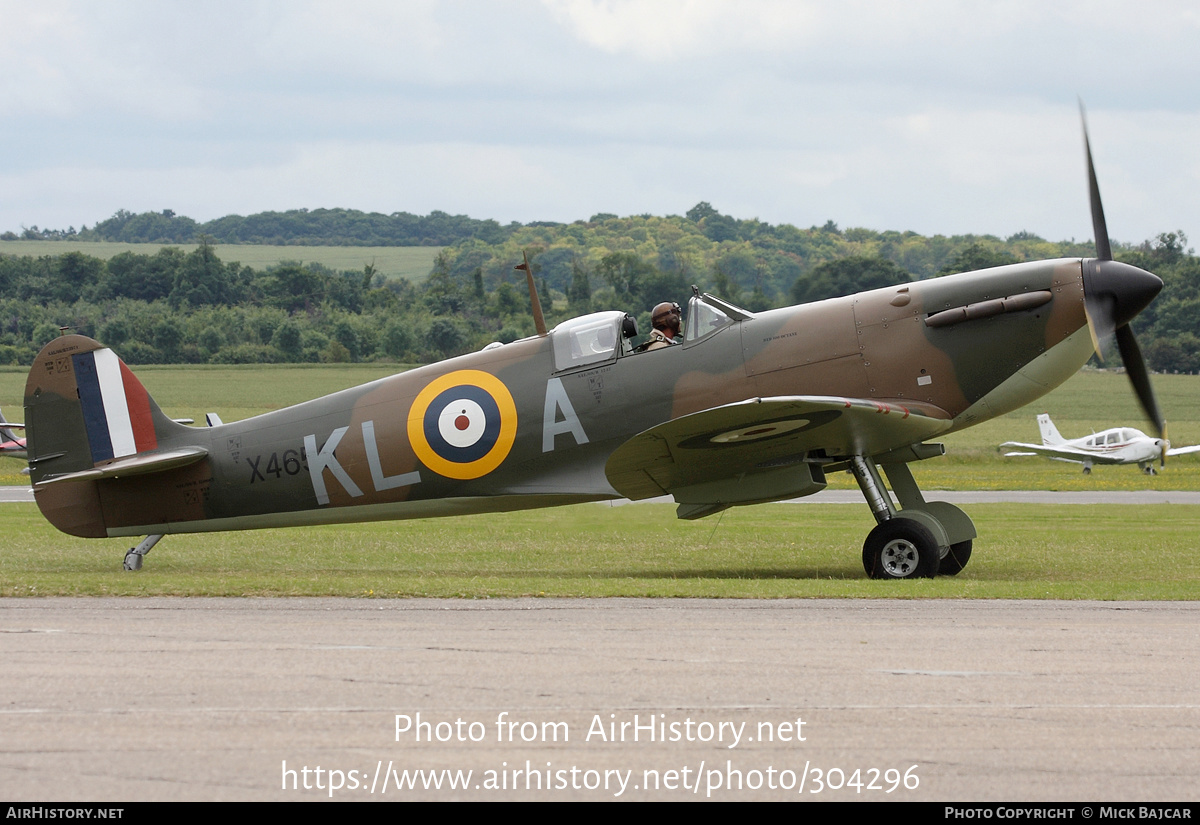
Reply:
x=900, y=548
x=133, y=559
x=956, y=559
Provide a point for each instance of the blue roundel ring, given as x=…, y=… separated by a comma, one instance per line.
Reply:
x=463, y=424
x=450, y=404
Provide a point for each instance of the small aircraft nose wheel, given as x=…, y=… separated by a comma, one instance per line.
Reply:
x=900, y=548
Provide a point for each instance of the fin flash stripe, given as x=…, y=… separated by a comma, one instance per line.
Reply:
x=116, y=407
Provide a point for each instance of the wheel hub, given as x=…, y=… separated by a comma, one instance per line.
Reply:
x=899, y=558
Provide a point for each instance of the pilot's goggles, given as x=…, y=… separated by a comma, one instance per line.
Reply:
x=674, y=310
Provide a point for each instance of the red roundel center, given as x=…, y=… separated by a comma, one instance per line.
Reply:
x=462, y=422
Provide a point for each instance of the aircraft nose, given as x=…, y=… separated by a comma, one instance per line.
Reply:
x=1125, y=288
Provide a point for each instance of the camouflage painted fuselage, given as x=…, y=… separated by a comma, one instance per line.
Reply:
x=517, y=426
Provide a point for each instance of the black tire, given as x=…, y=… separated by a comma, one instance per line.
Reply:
x=900, y=548
x=956, y=559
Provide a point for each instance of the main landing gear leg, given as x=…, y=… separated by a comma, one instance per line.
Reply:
x=918, y=540
x=133, y=559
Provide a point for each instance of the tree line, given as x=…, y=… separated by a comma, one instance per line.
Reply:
x=201, y=306
x=295, y=227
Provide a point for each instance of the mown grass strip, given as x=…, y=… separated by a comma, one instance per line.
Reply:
x=769, y=551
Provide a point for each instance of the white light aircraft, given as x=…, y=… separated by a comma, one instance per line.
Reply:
x=1120, y=445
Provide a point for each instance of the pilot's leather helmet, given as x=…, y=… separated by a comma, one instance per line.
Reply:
x=666, y=316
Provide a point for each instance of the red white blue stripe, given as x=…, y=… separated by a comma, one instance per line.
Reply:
x=116, y=407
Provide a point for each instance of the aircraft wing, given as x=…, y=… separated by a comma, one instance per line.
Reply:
x=763, y=435
x=1183, y=450
x=1061, y=453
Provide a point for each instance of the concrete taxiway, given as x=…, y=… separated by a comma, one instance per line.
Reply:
x=253, y=699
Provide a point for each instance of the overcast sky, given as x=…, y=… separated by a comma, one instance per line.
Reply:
x=937, y=117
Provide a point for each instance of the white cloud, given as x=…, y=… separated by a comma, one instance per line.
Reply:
x=683, y=29
x=926, y=115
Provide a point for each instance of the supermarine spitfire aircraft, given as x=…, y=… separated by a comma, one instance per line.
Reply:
x=750, y=407
x=1120, y=445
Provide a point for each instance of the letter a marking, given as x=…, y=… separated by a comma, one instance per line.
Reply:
x=557, y=401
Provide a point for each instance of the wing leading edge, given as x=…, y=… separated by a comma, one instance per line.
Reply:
x=762, y=449
x=1183, y=450
x=1062, y=453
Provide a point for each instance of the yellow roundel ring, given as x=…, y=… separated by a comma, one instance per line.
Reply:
x=463, y=424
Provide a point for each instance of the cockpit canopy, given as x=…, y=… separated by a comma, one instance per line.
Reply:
x=601, y=336
x=1112, y=438
x=703, y=319
x=591, y=339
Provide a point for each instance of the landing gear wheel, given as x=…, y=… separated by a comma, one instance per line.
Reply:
x=956, y=559
x=133, y=560
x=900, y=548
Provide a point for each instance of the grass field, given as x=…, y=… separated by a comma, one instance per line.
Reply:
x=410, y=262
x=768, y=551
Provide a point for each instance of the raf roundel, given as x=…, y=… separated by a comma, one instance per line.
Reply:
x=463, y=424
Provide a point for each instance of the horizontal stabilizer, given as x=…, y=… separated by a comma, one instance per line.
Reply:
x=133, y=466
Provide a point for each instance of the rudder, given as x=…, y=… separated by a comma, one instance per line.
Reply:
x=1050, y=433
x=85, y=410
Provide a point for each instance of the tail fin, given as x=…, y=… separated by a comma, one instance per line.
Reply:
x=87, y=417
x=11, y=444
x=5, y=432
x=1050, y=434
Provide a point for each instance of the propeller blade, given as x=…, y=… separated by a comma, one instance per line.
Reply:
x=1113, y=293
x=1099, y=226
x=1139, y=376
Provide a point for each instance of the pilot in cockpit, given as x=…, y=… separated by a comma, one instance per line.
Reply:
x=665, y=321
